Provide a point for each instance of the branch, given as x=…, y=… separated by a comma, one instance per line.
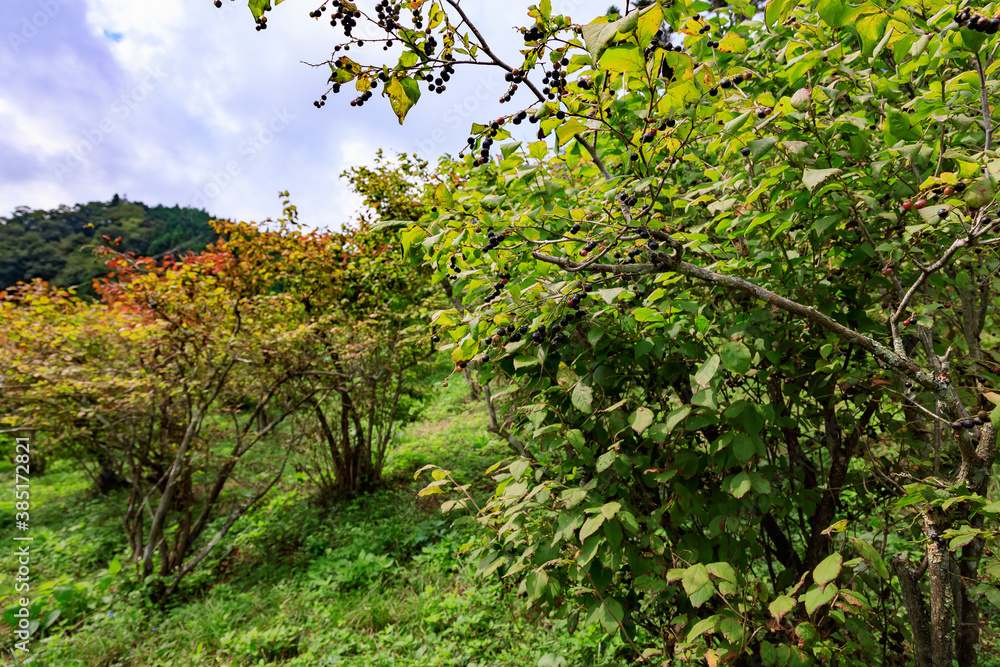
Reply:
x=495, y=427
x=896, y=361
x=915, y=609
x=983, y=100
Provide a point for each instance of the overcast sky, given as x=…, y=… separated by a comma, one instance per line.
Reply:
x=177, y=102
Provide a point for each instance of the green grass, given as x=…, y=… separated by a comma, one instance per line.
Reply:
x=378, y=580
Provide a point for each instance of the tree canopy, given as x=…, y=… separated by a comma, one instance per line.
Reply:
x=57, y=245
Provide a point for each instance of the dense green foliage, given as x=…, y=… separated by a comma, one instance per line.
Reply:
x=740, y=288
x=374, y=582
x=57, y=245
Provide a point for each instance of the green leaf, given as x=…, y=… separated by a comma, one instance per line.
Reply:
x=817, y=596
x=760, y=147
x=777, y=11
x=981, y=193
x=403, y=94
x=258, y=7
x=599, y=32
x=829, y=569
x=781, y=606
x=465, y=350
x=623, y=59
x=735, y=124
x=675, y=417
x=706, y=371
x=609, y=510
x=869, y=553
x=722, y=571
x=647, y=315
x=743, y=449
x=641, y=419
x=590, y=526
x=704, y=625
x=838, y=13
x=736, y=357
x=648, y=24
x=566, y=377
x=740, y=485
x=813, y=177
x=582, y=397
x=524, y=362
x=870, y=28
x=610, y=615
x=610, y=294
x=697, y=584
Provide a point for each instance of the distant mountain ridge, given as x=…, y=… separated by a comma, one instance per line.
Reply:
x=57, y=245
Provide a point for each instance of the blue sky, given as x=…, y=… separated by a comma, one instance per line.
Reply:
x=177, y=102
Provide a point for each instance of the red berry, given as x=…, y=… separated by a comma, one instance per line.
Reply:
x=948, y=191
x=907, y=205
x=920, y=203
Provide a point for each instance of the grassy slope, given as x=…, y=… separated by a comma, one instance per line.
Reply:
x=375, y=581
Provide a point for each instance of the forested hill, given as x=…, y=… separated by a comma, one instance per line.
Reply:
x=57, y=245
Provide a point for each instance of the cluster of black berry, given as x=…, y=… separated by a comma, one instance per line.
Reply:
x=453, y=265
x=499, y=285
x=218, y=3
x=533, y=34
x=347, y=16
x=726, y=84
x=977, y=22
x=261, y=23
x=387, y=15
x=362, y=98
x=493, y=240
x=967, y=423
x=484, y=151
x=514, y=77
x=627, y=199
x=430, y=45
x=555, y=80
x=575, y=228
x=588, y=247
x=437, y=83
x=657, y=43
x=519, y=117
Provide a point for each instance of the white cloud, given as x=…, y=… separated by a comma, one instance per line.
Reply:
x=197, y=131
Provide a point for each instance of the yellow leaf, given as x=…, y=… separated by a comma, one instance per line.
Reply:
x=692, y=27
x=733, y=43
